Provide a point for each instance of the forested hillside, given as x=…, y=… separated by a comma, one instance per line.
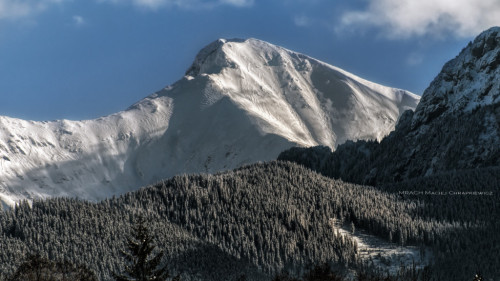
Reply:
x=471, y=200
x=261, y=219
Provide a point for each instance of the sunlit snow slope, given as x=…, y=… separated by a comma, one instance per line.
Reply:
x=241, y=101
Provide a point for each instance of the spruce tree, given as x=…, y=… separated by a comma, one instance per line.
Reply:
x=140, y=267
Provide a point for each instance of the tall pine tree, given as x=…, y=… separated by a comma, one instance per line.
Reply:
x=140, y=267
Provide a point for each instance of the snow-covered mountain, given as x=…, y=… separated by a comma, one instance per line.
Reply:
x=241, y=101
x=455, y=126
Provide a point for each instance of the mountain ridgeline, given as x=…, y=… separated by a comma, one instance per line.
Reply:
x=455, y=126
x=240, y=102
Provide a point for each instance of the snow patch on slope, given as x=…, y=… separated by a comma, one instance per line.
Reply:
x=382, y=254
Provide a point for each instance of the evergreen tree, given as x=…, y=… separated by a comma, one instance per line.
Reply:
x=140, y=266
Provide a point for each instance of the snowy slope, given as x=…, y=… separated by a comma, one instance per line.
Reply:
x=241, y=101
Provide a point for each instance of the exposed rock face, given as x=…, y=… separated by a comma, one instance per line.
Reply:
x=468, y=82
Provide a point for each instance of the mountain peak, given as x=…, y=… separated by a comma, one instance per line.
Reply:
x=486, y=42
x=242, y=101
x=469, y=81
x=233, y=53
x=211, y=51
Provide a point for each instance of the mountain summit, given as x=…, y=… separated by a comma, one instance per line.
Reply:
x=466, y=83
x=306, y=100
x=240, y=102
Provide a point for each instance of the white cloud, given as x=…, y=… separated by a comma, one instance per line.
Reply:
x=414, y=59
x=408, y=18
x=237, y=3
x=152, y=4
x=19, y=9
x=302, y=21
x=16, y=9
x=184, y=4
x=78, y=20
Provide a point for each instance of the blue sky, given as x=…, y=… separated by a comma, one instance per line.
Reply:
x=77, y=59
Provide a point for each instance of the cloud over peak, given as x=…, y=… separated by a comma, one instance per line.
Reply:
x=404, y=19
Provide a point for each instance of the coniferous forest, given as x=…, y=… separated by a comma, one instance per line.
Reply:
x=263, y=220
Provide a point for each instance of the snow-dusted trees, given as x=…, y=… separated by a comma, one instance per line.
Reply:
x=260, y=219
